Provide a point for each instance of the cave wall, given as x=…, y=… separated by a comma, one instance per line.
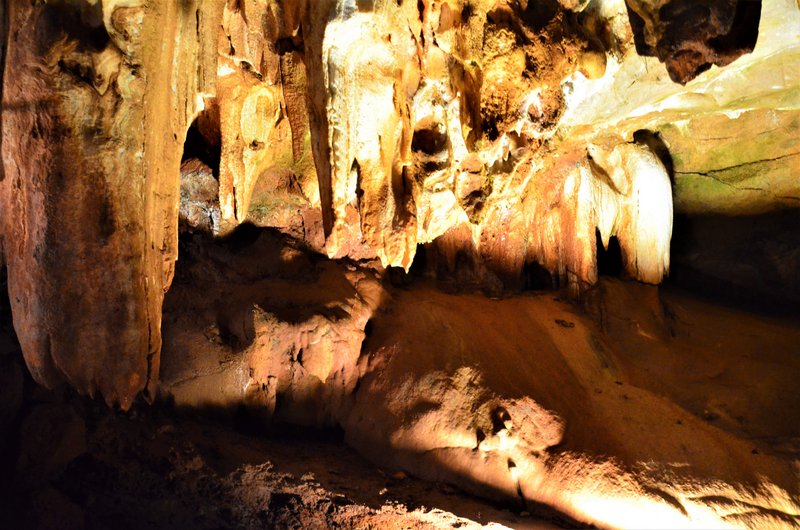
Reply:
x=504, y=137
x=506, y=142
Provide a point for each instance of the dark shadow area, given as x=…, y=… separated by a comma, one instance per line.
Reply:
x=419, y=269
x=694, y=35
x=70, y=462
x=656, y=144
x=537, y=278
x=748, y=261
x=78, y=23
x=12, y=376
x=204, y=140
x=20, y=397
x=244, y=237
x=637, y=28
x=161, y=467
x=429, y=140
x=222, y=280
x=743, y=35
x=6, y=326
x=609, y=260
x=539, y=14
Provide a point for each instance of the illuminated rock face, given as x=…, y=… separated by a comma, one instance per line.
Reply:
x=437, y=132
x=502, y=137
x=524, y=398
x=96, y=98
x=636, y=413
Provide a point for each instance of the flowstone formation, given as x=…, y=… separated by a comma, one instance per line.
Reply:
x=95, y=108
x=309, y=149
x=506, y=137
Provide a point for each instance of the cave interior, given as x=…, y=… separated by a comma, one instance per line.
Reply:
x=523, y=264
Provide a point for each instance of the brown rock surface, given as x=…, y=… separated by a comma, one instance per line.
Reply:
x=271, y=328
x=628, y=414
x=97, y=98
x=490, y=144
x=640, y=422
x=52, y=435
x=690, y=35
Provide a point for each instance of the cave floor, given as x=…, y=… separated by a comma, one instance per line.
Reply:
x=75, y=464
x=643, y=374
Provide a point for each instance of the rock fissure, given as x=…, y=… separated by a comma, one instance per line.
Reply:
x=709, y=172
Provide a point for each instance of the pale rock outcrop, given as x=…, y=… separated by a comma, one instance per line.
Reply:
x=635, y=204
x=271, y=329
x=730, y=132
x=370, y=77
x=249, y=111
x=250, y=105
x=431, y=131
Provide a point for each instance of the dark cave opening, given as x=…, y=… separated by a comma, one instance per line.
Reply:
x=200, y=164
x=430, y=141
x=609, y=260
x=538, y=15
x=747, y=261
x=204, y=139
x=420, y=263
x=537, y=278
x=418, y=269
x=743, y=34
